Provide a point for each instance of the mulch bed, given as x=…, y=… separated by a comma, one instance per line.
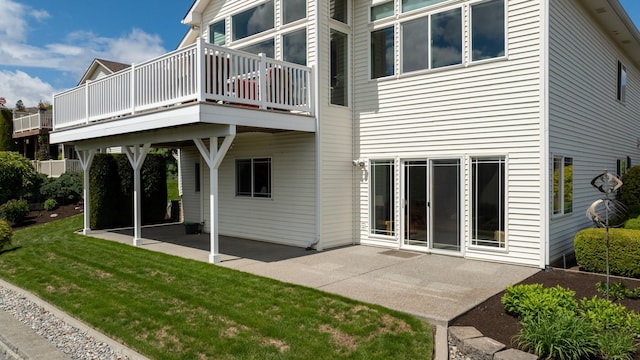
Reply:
x=37, y=217
x=492, y=321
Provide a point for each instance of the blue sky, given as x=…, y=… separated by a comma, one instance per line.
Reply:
x=46, y=46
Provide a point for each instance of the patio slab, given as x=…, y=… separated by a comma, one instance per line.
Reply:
x=437, y=288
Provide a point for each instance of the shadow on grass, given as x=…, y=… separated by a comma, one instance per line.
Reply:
x=2, y=252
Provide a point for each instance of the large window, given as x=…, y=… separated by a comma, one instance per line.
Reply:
x=293, y=10
x=382, y=59
x=562, y=185
x=487, y=30
x=338, y=10
x=217, y=33
x=415, y=45
x=266, y=47
x=253, y=21
x=488, y=201
x=446, y=38
x=382, y=198
x=253, y=177
x=339, y=70
x=294, y=47
x=622, y=82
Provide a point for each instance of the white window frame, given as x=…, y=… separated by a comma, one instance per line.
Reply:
x=379, y=3
x=395, y=44
x=394, y=195
x=473, y=243
x=470, y=34
x=561, y=180
x=253, y=193
x=231, y=21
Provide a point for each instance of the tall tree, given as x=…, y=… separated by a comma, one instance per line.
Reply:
x=6, y=130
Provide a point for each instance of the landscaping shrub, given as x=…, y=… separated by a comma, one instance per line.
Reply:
x=632, y=224
x=616, y=346
x=50, y=204
x=154, y=188
x=14, y=211
x=534, y=300
x=624, y=251
x=6, y=129
x=563, y=336
x=66, y=189
x=5, y=234
x=630, y=190
x=104, y=191
x=125, y=171
x=17, y=176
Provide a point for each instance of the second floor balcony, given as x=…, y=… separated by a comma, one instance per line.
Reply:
x=32, y=124
x=223, y=80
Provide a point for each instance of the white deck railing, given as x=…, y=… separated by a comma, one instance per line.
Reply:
x=55, y=168
x=39, y=120
x=200, y=72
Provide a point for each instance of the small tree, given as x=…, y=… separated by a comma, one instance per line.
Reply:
x=6, y=130
x=5, y=234
x=20, y=105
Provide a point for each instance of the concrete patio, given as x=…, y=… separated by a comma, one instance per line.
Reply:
x=434, y=287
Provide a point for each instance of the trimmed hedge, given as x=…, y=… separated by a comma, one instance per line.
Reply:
x=111, y=183
x=630, y=191
x=624, y=251
x=633, y=224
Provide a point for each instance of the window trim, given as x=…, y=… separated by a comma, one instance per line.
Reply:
x=561, y=184
x=470, y=34
x=621, y=83
x=371, y=20
x=253, y=193
x=372, y=214
x=370, y=52
x=473, y=243
x=214, y=22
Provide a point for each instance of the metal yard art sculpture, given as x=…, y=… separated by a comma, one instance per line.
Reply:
x=607, y=212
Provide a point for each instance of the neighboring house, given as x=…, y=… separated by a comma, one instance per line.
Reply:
x=469, y=128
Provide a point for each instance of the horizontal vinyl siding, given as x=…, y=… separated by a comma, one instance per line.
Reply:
x=191, y=199
x=491, y=108
x=289, y=216
x=586, y=121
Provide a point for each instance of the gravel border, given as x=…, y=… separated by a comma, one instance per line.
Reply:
x=69, y=339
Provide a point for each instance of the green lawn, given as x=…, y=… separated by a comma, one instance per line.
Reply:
x=167, y=307
x=172, y=189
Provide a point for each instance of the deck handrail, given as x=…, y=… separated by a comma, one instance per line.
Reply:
x=39, y=120
x=200, y=72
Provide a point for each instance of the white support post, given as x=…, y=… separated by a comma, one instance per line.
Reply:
x=86, y=99
x=262, y=85
x=213, y=157
x=133, y=88
x=200, y=62
x=86, y=158
x=136, y=155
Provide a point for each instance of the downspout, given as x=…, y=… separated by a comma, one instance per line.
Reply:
x=544, y=243
x=316, y=103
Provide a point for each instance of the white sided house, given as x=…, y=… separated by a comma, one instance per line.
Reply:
x=464, y=127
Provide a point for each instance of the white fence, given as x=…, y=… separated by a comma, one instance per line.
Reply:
x=200, y=72
x=55, y=168
x=39, y=120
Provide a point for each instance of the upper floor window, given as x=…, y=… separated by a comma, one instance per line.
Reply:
x=217, y=33
x=266, y=47
x=487, y=30
x=253, y=21
x=562, y=185
x=382, y=11
x=293, y=10
x=622, y=82
x=382, y=59
x=446, y=38
x=415, y=44
x=408, y=5
x=294, y=47
x=339, y=69
x=338, y=10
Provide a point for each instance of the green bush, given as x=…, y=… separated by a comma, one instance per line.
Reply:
x=14, y=211
x=624, y=251
x=66, y=189
x=534, y=300
x=630, y=190
x=50, y=204
x=154, y=189
x=632, y=224
x=104, y=191
x=614, y=345
x=563, y=336
x=17, y=176
x=6, y=129
x=5, y=234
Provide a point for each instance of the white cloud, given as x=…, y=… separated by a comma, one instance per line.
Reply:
x=73, y=54
x=18, y=85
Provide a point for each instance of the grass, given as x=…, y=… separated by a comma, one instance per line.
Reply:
x=172, y=189
x=168, y=307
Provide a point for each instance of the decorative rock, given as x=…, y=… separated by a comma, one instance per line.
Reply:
x=514, y=354
x=458, y=334
x=53, y=215
x=481, y=348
